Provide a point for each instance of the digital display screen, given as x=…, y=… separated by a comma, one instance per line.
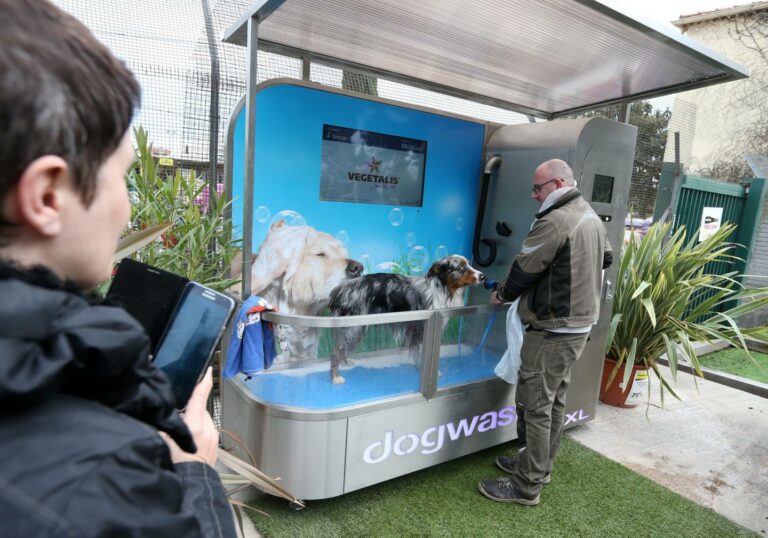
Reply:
x=602, y=190
x=191, y=337
x=371, y=168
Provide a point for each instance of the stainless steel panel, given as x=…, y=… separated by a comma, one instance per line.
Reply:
x=401, y=440
x=307, y=455
x=383, y=438
x=320, y=457
x=590, y=146
x=610, y=150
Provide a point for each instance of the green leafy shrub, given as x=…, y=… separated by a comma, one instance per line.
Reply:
x=199, y=245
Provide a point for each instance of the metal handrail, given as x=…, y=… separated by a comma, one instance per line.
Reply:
x=376, y=319
x=346, y=321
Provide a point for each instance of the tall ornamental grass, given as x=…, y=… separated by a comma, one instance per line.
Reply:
x=666, y=299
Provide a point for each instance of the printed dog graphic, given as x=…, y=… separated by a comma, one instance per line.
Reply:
x=295, y=269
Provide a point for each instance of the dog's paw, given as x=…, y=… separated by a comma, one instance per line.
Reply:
x=338, y=380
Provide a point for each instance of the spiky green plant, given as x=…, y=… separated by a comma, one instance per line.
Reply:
x=199, y=245
x=666, y=299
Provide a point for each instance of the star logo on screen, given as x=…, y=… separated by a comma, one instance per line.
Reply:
x=373, y=165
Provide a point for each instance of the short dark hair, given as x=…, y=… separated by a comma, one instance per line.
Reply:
x=62, y=93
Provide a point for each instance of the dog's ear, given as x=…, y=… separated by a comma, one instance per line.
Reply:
x=266, y=268
x=434, y=270
x=439, y=270
x=298, y=286
x=281, y=246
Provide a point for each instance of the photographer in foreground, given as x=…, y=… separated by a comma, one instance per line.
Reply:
x=90, y=442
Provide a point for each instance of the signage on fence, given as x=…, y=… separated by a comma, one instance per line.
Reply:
x=711, y=220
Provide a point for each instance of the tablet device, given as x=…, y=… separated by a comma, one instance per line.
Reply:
x=148, y=294
x=187, y=346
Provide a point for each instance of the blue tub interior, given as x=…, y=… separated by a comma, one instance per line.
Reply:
x=311, y=388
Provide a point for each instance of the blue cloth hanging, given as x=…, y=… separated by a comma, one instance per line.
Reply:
x=252, y=346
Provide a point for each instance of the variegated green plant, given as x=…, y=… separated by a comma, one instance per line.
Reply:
x=666, y=299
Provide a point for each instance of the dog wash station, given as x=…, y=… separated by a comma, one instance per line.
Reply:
x=401, y=185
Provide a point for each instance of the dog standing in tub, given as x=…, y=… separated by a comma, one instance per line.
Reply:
x=295, y=269
x=443, y=286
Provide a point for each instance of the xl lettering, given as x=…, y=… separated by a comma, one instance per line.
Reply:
x=576, y=416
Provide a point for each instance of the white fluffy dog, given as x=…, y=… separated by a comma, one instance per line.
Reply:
x=295, y=270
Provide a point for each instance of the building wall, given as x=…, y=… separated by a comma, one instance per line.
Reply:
x=713, y=123
x=722, y=114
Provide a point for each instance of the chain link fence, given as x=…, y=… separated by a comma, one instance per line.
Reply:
x=192, y=81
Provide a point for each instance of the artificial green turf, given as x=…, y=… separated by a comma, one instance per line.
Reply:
x=589, y=496
x=736, y=362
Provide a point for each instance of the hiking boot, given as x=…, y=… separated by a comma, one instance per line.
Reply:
x=506, y=464
x=504, y=491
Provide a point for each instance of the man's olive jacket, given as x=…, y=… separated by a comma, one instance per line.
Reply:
x=558, y=273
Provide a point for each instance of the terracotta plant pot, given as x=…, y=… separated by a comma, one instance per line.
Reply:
x=617, y=395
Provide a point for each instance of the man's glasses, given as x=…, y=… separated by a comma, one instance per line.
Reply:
x=537, y=188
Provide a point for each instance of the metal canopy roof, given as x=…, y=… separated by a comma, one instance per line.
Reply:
x=541, y=57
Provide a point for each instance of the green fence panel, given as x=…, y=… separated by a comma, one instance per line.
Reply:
x=741, y=204
x=696, y=194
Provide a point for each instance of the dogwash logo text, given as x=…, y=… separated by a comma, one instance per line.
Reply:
x=434, y=438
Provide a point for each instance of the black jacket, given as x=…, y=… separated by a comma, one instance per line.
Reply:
x=80, y=406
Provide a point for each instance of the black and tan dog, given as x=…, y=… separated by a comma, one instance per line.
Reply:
x=442, y=287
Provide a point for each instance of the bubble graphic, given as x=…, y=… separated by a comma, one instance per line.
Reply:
x=367, y=262
x=262, y=213
x=396, y=217
x=410, y=239
x=459, y=223
x=441, y=252
x=342, y=236
x=417, y=259
x=291, y=218
x=388, y=267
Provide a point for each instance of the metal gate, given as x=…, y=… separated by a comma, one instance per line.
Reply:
x=703, y=202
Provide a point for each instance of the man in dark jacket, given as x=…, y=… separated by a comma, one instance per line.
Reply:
x=90, y=442
x=557, y=276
